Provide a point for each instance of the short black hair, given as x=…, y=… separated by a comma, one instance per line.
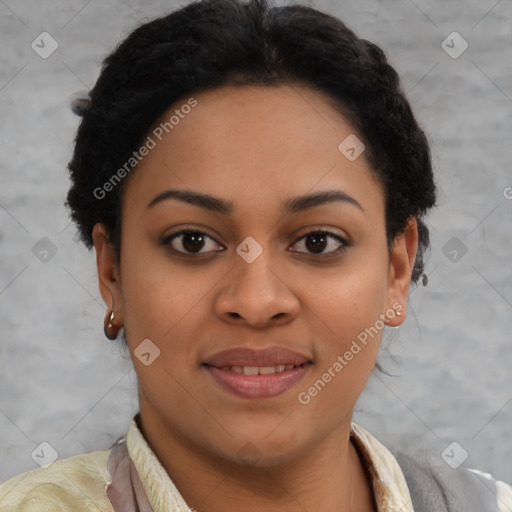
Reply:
x=212, y=43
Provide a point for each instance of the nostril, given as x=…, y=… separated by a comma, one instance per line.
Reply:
x=234, y=315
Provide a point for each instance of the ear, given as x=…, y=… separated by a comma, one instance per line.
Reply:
x=401, y=265
x=108, y=272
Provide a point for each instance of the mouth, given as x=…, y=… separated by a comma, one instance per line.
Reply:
x=258, y=382
x=272, y=357
x=260, y=370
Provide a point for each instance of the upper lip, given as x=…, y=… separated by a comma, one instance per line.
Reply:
x=242, y=356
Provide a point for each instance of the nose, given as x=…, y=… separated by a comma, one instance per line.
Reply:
x=257, y=294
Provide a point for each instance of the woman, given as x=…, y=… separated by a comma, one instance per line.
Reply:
x=255, y=185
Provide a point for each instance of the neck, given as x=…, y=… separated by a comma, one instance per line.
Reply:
x=328, y=477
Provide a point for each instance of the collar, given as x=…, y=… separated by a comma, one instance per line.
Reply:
x=389, y=485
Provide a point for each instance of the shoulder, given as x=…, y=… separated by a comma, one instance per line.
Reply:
x=75, y=483
x=432, y=481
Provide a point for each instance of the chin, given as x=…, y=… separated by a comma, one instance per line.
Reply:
x=260, y=451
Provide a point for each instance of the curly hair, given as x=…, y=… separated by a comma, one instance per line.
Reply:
x=211, y=43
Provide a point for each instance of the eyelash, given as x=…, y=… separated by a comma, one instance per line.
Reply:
x=344, y=244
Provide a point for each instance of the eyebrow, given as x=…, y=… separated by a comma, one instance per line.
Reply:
x=292, y=205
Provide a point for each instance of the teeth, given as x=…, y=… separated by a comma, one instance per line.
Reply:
x=259, y=370
x=267, y=369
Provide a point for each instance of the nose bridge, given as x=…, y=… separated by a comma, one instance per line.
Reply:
x=253, y=272
x=254, y=290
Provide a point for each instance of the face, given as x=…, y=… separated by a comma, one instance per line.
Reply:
x=286, y=253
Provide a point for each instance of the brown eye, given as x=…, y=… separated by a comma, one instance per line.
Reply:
x=316, y=242
x=192, y=242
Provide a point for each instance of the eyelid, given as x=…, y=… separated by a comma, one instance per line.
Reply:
x=326, y=231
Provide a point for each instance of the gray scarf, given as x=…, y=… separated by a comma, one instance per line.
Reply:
x=436, y=487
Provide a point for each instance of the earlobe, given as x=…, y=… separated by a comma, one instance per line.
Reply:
x=108, y=275
x=403, y=256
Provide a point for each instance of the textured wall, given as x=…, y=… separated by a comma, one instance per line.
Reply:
x=62, y=382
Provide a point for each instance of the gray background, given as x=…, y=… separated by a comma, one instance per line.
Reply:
x=62, y=382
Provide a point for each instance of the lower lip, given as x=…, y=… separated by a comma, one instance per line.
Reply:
x=258, y=386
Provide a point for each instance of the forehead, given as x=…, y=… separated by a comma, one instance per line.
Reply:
x=252, y=143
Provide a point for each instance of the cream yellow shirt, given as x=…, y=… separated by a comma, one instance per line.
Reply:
x=79, y=483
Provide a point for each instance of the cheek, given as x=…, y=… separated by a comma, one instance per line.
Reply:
x=346, y=317
x=155, y=293
x=161, y=303
x=350, y=298
x=165, y=302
